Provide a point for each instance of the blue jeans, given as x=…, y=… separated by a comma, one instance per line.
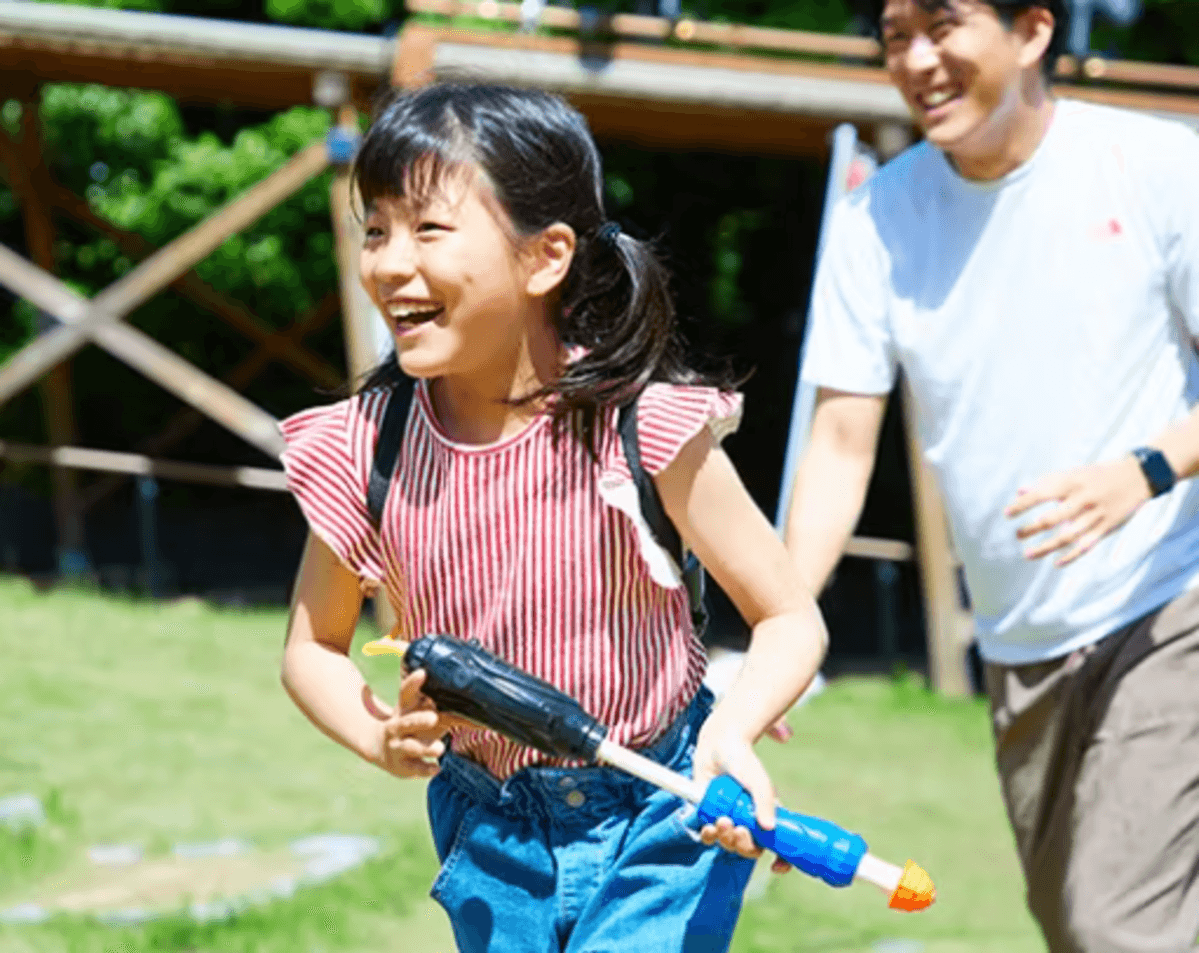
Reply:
x=582, y=860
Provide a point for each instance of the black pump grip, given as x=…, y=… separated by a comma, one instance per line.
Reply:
x=463, y=678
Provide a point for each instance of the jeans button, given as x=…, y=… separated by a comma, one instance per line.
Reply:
x=576, y=798
x=566, y=782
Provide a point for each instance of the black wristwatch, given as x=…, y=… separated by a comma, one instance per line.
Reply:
x=1158, y=472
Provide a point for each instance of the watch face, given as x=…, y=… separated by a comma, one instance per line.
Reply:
x=1157, y=470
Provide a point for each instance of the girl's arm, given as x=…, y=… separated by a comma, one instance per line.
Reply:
x=329, y=688
x=720, y=523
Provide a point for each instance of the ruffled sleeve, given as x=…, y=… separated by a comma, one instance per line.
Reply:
x=668, y=417
x=327, y=461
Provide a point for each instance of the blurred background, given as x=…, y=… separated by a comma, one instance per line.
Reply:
x=145, y=564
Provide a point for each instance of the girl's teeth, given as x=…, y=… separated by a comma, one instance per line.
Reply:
x=404, y=314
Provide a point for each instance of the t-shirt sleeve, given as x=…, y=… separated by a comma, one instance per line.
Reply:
x=669, y=415
x=327, y=461
x=1178, y=190
x=848, y=344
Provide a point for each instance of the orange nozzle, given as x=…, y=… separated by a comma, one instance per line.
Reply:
x=915, y=890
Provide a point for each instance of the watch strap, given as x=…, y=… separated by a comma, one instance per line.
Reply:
x=1158, y=472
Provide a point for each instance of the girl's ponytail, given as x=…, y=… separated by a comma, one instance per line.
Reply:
x=616, y=304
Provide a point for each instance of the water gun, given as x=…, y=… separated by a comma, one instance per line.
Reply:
x=463, y=678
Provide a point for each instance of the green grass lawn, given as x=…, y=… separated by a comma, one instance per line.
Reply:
x=163, y=723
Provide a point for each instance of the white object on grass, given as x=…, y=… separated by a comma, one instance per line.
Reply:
x=724, y=664
x=21, y=811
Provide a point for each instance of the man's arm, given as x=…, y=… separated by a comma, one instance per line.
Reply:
x=831, y=481
x=1096, y=500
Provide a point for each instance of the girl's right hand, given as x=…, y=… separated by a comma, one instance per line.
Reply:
x=410, y=736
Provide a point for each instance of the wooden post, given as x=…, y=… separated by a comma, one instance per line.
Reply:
x=947, y=623
x=360, y=319
x=358, y=314
x=57, y=405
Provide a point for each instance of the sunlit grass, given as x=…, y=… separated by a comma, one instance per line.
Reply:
x=138, y=722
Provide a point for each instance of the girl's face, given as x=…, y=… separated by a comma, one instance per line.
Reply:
x=451, y=280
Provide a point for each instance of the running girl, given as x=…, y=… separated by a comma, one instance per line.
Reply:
x=527, y=321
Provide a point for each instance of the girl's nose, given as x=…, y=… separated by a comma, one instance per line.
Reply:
x=921, y=55
x=392, y=260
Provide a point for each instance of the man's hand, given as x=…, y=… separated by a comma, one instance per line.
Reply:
x=1092, y=502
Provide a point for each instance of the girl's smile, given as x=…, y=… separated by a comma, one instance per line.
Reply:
x=447, y=275
x=464, y=296
x=407, y=314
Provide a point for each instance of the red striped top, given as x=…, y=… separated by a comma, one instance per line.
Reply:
x=529, y=545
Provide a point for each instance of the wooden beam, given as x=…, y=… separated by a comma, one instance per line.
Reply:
x=679, y=126
x=140, y=351
x=134, y=464
x=948, y=624
x=186, y=421
x=278, y=345
x=51, y=347
x=193, y=246
x=870, y=547
x=686, y=30
x=83, y=320
x=203, y=81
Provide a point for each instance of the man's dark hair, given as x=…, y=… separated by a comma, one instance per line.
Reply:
x=1008, y=10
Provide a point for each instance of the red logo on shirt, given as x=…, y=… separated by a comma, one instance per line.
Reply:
x=1109, y=229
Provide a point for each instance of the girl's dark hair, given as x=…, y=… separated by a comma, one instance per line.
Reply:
x=539, y=158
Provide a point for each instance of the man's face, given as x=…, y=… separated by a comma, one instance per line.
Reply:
x=959, y=67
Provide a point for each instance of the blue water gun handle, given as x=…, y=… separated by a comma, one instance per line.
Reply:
x=815, y=846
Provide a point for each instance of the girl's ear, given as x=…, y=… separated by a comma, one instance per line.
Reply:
x=550, y=253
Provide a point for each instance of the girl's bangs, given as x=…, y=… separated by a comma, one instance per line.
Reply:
x=406, y=163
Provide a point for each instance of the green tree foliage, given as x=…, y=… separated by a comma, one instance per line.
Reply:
x=354, y=15
x=330, y=14
x=1167, y=32
x=129, y=154
x=148, y=168
x=827, y=16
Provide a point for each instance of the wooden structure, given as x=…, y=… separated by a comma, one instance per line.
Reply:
x=655, y=82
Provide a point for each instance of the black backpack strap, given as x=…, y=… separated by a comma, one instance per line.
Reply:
x=647, y=494
x=660, y=526
x=387, y=447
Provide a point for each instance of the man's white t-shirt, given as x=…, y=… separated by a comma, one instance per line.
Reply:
x=1044, y=321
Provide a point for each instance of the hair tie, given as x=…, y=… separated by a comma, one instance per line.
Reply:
x=608, y=234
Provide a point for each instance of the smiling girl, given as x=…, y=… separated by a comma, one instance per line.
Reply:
x=527, y=320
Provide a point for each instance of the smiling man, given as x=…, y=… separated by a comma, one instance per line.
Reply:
x=1033, y=269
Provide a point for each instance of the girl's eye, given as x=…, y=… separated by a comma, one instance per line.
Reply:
x=895, y=41
x=373, y=231
x=428, y=226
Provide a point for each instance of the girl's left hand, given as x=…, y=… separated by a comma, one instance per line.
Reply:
x=1092, y=501
x=725, y=752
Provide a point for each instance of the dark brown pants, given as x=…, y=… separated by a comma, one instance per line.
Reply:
x=1098, y=756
